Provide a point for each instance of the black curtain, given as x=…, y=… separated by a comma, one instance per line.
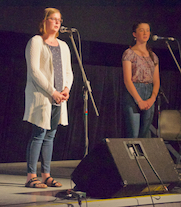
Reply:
x=102, y=64
x=106, y=84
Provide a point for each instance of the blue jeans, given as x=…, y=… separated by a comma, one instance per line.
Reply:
x=41, y=144
x=138, y=121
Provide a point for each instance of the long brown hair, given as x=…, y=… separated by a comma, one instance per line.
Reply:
x=47, y=13
x=135, y=26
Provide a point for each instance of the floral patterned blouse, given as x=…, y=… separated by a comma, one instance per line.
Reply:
x=142, y=67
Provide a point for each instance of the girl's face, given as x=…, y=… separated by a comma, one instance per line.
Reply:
x=142, y=33
x=53, y=23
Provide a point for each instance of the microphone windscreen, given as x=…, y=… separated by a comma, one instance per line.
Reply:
x=63, y=29
x=155, y=37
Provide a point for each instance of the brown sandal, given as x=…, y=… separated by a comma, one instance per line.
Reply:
x=37, y=184
x=53, y=183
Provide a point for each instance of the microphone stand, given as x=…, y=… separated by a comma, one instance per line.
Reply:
x=168, y=145
x=87, y=88
x=168, y=45
x=161, y=92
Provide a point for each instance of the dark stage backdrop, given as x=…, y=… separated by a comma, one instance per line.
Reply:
x=102, y=63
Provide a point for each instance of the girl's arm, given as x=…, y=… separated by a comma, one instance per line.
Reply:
x=127, y=75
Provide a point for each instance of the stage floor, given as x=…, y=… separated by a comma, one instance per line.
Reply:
x=13, y=193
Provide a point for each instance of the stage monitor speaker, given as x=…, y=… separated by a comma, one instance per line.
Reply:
x=170, y=124
x=113, y=168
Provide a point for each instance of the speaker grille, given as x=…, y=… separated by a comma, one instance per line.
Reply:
x=110, y=170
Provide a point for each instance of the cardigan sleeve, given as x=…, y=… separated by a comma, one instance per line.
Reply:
x=33, y=55
x=69, y=73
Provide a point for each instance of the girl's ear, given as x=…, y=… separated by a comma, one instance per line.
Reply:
x=134, y=34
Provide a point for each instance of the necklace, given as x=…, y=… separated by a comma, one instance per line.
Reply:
x=141, y=53
x=52, y=42
x=144, y=54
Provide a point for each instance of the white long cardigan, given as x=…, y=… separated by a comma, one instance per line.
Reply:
x=40, y=82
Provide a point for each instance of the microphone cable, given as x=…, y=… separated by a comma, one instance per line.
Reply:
x=155, y=172
x=144, y=176
x=179, y=49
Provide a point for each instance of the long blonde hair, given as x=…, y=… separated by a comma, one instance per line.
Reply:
x=47, y=13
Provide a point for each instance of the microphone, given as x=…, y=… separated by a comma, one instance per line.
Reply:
x=66, y=29
x=155, y=38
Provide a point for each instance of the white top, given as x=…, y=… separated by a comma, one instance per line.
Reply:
x=40, y=82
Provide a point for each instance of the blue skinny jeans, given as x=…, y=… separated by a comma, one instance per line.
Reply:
x=41, y=144
x=138, y=121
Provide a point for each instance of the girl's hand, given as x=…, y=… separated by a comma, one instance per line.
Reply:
x=65, y=93
x=58, y=97
x=143, y=105
x=151, y=101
